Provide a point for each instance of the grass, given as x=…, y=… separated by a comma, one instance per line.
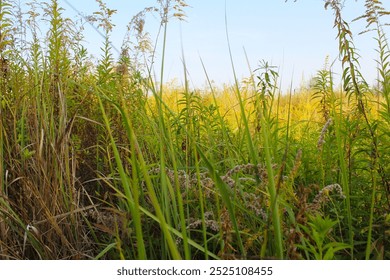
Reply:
x=102, y=162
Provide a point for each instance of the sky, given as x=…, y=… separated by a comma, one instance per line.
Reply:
x=294, y=36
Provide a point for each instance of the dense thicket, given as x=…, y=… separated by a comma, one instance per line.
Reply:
x=98, y=160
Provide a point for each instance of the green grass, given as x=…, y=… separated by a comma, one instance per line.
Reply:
x=103, y=162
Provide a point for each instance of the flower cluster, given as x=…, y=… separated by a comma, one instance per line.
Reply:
x=321, y=140
x=323, y=196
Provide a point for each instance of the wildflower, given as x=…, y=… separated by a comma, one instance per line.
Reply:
x=208, y=222
x=321, y=140
x=323, y=196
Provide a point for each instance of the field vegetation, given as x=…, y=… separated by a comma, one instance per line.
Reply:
x=100, y=161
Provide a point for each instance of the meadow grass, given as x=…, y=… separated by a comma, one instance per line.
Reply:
x=100, y=161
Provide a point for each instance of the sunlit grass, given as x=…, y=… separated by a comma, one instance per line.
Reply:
x=103, y=162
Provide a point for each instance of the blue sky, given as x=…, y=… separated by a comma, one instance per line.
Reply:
x=295, y=36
